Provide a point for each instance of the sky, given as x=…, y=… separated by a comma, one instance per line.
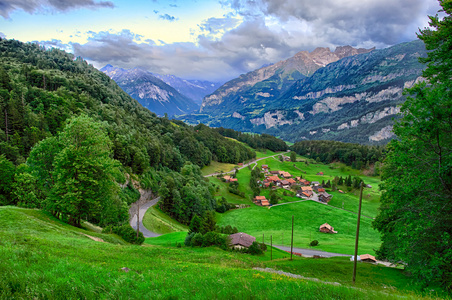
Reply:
x=214, y=40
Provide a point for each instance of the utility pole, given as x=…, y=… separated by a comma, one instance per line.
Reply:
x=291, y=243
x=271, y=247
x=357, y=233
x=263, y=239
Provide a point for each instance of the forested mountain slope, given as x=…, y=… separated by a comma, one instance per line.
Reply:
x=353, y=99
x=67, y=114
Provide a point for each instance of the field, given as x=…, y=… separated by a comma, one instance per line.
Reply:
x=341, y=213
x=44, y=258
x=157, y=221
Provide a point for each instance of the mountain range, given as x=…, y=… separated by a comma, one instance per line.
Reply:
x=348, y=95
x=161, y=93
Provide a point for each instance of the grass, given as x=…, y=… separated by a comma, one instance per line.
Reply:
x=44, y=258
x=217, y=167
x=308, y=215
x=157, y=221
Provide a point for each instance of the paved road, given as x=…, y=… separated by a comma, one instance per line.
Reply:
x=310, y=252
x=143, y=209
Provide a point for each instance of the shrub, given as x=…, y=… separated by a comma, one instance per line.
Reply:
x=255, y=249
x=314, y=243
x=188, y=239
x=197, y=239
x=127, y=233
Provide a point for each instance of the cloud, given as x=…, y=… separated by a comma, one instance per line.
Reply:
x=2, y=35
x=381, y=22
x=8, y=6
x=167, y=17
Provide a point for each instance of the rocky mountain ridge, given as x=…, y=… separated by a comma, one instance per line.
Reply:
x=301, y=65
x=150, y=91
x=353, y=99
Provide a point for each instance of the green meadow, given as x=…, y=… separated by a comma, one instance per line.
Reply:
x=341, y=212
x=43, y=258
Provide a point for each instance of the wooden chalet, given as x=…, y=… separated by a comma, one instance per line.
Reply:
x=327, y=228
x=241, y=240
x=274, y=179
x=325, y=197
x=291, y=181
x=261, y=200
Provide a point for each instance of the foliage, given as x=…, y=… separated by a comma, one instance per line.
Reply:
x=6, y=180
x=416, y=211
x=255, y=141
x=314, y=243
x=126, y=232
x=195, y=225
x=355, y=155
x=255, y=249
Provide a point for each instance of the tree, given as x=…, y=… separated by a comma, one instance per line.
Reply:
x=415, y=218
x=293, y=156
x=6, y=180
x=195, y=224
x=83, y=171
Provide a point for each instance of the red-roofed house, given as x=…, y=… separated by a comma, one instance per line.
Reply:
x=368, y=258
x=233, y=180
x=227, y=178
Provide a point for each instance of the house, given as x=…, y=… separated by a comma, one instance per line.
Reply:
x=304, y=194
x=265, y=203
x=368, y=258
x=304, y=182
x=274, y=172
x=315, y=183
x=241, y=240
x=286, y=175
x=265, y=183
x=233, y=180
x=240, y=164
x=341, y=191
x=291, y=181
x=227, y=178
x=327, y=228
x=306, y=188
x=285, y=184
x=261, y=200
x=325, y=197
x=320, y=190
x=320, y=173
x=265, y=168
x=273, y=179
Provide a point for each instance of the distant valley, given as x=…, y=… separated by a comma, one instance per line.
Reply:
x=348, y=94
x=161, y=93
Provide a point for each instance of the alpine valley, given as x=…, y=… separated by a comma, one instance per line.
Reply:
x=161, y=93
x=349, y=95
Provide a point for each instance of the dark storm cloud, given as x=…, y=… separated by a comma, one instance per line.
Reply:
x=32, y=6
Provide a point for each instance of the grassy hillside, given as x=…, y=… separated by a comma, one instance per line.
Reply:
x=44, y=258
x=341, y=213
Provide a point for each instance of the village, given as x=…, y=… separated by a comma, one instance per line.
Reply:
x=299, y=187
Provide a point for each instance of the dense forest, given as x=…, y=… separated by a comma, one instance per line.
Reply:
x=57, y=111
x=256, y=141
x=354, y=155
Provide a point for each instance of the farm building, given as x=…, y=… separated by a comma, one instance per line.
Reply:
x=227, y=178
x=233, y=180
x=241, y=240
x=327, y=228
x=325, y=197
x=261, y=200
x=368, y=258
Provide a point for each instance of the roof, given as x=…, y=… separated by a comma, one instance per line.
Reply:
x=326, y=225
x=367, y=256
x=320, y=173
x=233, y=179
x=227, y=177
x=306, y=188
x=242, y=239
x=315, y=182
x=265, y=203
x=321, y=190
x=325, y=194
x=273, y=178
x=274, y=172
x=306, y=194
x=260, y=198
x=286, y=174
x=285, y=182
x=265, y=166
x=291, y=180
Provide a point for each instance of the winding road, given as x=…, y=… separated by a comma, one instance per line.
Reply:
x=143, y=209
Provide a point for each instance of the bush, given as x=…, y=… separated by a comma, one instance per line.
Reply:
x=314, y=243
x=126, y=232
x=197, y=240
x=188, y=239
x=255, y=249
